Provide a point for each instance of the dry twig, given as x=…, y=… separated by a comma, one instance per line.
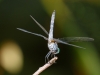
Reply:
x=52, y=61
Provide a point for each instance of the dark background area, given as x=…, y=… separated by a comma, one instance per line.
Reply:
x=73, y=19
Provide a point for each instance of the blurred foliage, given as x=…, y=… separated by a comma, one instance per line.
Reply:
x=73, y=18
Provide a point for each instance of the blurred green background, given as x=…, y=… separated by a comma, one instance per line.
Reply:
x=22, y=53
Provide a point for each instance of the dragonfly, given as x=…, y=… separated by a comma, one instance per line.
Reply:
x=53, y=42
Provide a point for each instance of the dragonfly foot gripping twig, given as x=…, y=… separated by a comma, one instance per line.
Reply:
x=52, y=61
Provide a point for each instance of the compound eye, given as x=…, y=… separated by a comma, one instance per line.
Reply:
x=57, y=51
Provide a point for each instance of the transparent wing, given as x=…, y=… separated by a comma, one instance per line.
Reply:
x=76, y=39
x=59, y=41
x=33, y=33
x=40, y=25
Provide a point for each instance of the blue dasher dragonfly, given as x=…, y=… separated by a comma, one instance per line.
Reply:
x=52, y=42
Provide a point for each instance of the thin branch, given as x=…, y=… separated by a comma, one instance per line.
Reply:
x=52, y=61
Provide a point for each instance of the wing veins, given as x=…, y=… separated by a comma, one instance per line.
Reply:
x=59, y=41
x=76, y=39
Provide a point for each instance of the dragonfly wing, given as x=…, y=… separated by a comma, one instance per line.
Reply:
x=59, y=41
x=76, y=39
x=40, y=25
x=51, y=26
x=33, y=33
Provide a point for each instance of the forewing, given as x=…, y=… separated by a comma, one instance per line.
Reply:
x=33, y=33
x=59, y=41
x=40, y=25
x=76, y=39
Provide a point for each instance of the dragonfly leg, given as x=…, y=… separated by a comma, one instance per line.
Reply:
x=47, y=56
x=52, y=55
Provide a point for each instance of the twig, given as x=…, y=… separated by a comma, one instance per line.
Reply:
x=52, y=61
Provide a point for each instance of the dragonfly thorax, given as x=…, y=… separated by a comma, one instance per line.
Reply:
x=53, y=47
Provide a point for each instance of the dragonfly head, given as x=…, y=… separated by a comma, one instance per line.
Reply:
x=53, y=47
